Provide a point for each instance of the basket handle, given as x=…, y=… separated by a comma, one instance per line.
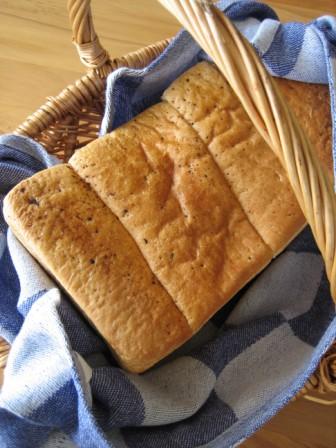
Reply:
x=268, y=111
x=91, y=53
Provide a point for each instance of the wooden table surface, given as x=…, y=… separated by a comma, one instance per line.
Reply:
x=38, y=60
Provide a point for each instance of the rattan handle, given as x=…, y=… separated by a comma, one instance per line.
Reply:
x=240, y=65
x=90, y=51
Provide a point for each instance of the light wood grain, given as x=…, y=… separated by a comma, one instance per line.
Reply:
x=302, y=10
x=300, y=424
x=37, y=60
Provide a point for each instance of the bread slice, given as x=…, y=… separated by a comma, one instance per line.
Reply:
x=205, y=100
x=159, y=178
x=71, y=232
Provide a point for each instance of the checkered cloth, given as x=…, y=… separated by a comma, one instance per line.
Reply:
x=63, y=387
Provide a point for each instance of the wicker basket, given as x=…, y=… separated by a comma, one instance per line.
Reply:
x=72, y=119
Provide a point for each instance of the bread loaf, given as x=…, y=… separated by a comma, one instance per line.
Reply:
x=71, y=232
x=154, y=227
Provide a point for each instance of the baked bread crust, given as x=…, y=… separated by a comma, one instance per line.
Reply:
x=154, y=227
x=71, y=232
x=206, y=101
x=170, y=195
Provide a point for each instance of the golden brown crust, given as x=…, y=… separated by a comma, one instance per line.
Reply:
x=158, y=177
x=311, y=105
x=75, y=237
x=197, y=205
x=204, y=98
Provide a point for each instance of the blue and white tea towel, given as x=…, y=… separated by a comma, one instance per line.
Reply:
x=61, y=383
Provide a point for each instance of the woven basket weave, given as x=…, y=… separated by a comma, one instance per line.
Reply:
x=72, y=119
